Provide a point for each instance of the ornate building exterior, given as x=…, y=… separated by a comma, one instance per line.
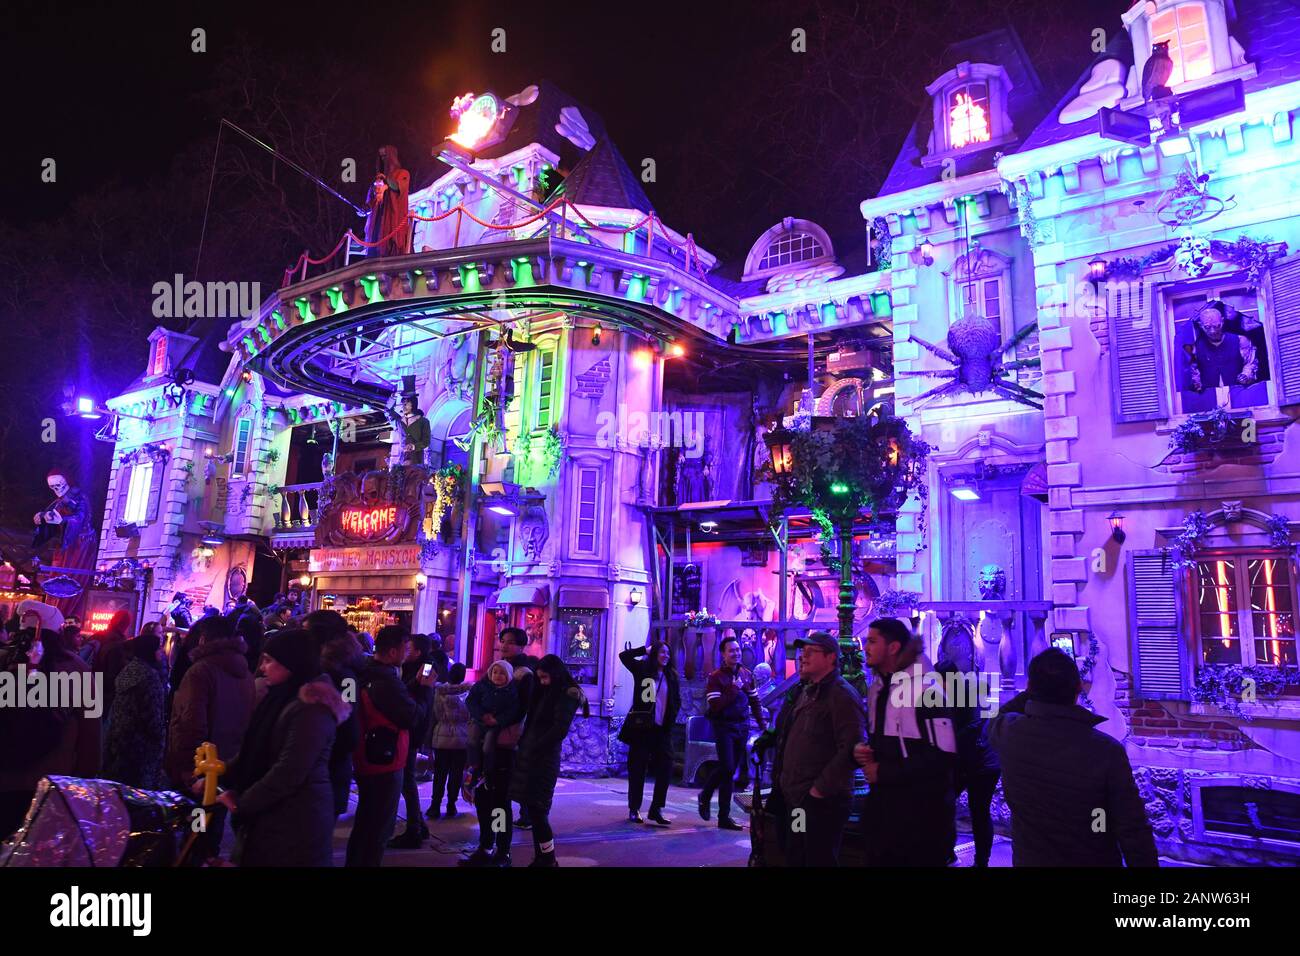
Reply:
x=1099, y=338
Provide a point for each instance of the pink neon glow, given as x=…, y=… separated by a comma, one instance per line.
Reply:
x=969, y=123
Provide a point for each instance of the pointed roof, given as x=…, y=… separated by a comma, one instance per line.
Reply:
x=603, y=178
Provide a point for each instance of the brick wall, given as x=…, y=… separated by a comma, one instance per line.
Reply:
x=1162, y=724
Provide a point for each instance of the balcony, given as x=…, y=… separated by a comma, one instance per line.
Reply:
x=294, y=509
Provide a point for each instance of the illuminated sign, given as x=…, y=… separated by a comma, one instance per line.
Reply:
x=475, y=117
x=390, y=558
x=99, y=621
x=970, y=124
x=368, y=522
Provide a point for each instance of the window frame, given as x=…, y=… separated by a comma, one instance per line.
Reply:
x=140, y=483
x=1212, y=287
x=158, y=358
x=1244, y=616
x=540, y=368
x=1177, y=50
x=962, y=77
x=240, y=460
x=597, y=488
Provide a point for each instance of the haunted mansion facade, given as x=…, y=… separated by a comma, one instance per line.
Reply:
x=1098, y=339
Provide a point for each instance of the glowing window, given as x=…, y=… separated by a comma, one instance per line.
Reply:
x=1188, y=34
x=968, y=115
x=159, y=364
x=588, y=499
x=1245, y=610
x=137, y=493
x=545, y=386
x=791, y=248
x=243, y=442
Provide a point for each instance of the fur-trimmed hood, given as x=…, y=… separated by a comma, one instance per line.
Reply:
x=322, y=691
x=342, y=652
x=233, y=649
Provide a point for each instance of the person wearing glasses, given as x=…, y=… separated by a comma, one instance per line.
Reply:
x=812, y=772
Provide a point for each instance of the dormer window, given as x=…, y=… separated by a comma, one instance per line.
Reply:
x=1186, y=30
x=970, y=111
x=158, y=363
x=790, y=245
x=1203, y=51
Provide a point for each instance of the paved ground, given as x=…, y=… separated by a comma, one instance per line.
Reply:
x=590, y=821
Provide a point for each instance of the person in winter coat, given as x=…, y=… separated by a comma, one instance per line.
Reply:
x=492, y=796
x=812, y=770
x=113, y=654
x=278, y=786
x=388, y=712
x=38, y=742
x=450, y=734
x=977, y=762
x=214, y=702
x=413, y=669
x=537, y=763
x=648, y=728
x=732, y=699
x=910, y=756
x=1062, y=776
x=341, y=658
x=137, y=729
x=493, y=703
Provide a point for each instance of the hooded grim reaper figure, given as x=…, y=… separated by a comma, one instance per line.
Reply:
x=67, y=523
x=386, y=224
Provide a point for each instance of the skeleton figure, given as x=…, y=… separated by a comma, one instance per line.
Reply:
x=993, y=583
x=976, y=354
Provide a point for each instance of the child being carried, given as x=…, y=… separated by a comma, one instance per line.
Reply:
x=493, y=703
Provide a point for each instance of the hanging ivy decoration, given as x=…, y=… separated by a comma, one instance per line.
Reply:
x=1226, y=685
x=553, y=451
x=446, y=490
x=892, y=602
x=1196, y=526
x=1202, y=430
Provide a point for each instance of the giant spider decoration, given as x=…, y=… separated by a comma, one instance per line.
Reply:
x=977, y=359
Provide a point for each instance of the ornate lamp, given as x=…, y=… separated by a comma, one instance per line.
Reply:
x=778, y=444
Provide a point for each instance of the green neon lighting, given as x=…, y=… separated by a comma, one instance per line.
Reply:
x=371, y=286
x=839, y=488
x=880, y=304
x=469, y=279
x=828, y=313
x=304, y=309
x=262, y=331
x=279, y=319
x=780, y=326
x=629, y=241
x=523, y=272
x=636, y=288
x=230, y=393
x=336, y=299
x=250, y=344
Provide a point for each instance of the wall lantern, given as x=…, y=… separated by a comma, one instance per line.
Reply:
x=965, y=491
x=595, y=334
x=1117, y=527
x=421, y=579
x=778, y=444
x=1097, y=273
x=304, y=581
x=924, y=254
x=634, y=597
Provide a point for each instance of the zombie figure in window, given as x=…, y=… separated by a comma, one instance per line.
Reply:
x=387, y=231
x=1224, y=351
x=67, y=523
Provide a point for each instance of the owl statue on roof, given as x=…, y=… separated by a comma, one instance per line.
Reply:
x=1155, y=75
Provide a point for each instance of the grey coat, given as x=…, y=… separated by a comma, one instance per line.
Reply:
x=451, y=716
x=286, y=818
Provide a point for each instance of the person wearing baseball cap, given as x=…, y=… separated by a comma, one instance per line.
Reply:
x=813, y=768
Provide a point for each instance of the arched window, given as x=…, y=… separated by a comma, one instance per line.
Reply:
x=1187, y=31
x=790, y=244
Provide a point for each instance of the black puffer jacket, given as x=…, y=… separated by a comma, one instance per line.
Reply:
x=537, y=759
x=634, y=659
x=975, y=755
x=1058, y=771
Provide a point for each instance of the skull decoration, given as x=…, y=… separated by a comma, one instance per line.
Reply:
x=992, y=583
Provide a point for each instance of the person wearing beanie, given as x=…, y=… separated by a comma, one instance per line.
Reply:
x=496, y=710
x=341, y=658
x=137, y=729
x=278, y=786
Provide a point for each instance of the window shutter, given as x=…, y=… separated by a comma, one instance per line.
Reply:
x=156, y=484
x=1136, y=364
x=1284, y=289
x=1160, y=658
x=123, y=492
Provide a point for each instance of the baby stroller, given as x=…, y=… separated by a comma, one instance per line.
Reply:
x=101, y=823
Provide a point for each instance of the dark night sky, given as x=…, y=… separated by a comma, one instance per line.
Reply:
x=743, y=133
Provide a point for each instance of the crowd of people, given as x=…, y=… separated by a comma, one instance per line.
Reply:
x=303, y=710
